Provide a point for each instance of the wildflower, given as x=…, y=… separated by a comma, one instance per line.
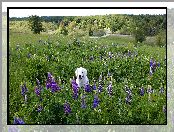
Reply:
x=128, y=90
x=161, y=90
x=153, y=66
x=87, y=88
x=83, y=105
x=128, y=99
x=67, y=108
x=40, y=108
x=110, y=88
x=24, y=89
x=38, y=82
x=38, y=88
x=37, y=91
x=164, y=109
x=54, y=86
x=142, y=91
x=149, y=90
x=94, y=86
x=50, y=83
x=96, y=101
x=49, y=80
x=100, y=88
x=75, y=89
x=18, y=121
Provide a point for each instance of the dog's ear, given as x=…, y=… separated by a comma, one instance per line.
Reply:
x=76, y=72
x=85, y=71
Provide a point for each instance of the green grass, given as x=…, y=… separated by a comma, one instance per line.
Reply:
x=61, y=55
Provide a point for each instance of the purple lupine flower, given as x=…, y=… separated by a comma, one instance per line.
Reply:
x=38, y=88
x=24, y=89
x=110, y=89
x=18, y=121
x=49, y=80
x=153, y=66
x=54, y=86
x=83, y=105
x=87, y=88
x=75, y=89
x=38, y=82
x=142, y=91
x=158, y=64
x=51, y=83
x=96, y=101
x=94, y=86
x=164, y=109
x=37, y=91
x=40, y=108
x=150, y=90
x=161, y=90
x=128, y=90
x=100, y=88
x=67, y=108
x=128, y=99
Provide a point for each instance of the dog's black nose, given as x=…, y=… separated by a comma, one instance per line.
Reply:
x=80, y=76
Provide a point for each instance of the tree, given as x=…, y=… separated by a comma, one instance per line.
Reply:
x=35, y=24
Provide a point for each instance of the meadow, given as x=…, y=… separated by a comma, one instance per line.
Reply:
x=122, y=90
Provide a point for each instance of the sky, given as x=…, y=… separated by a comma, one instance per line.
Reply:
x=80, y=12
x=83, y=12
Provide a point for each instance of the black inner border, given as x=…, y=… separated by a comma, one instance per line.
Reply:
x=8, y=8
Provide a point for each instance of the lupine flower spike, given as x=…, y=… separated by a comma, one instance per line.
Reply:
x=18, y=121
x=75, y=89
x=110, y=88
x=67, y=108
x=83, y=105
x=51, y=83
x=142, y=91
x=96, y=101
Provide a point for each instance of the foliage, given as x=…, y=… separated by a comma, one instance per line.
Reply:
x=35, y=24
x=34, y=55
x=161, y=38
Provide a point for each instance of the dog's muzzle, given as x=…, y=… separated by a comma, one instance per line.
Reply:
x=80, y=77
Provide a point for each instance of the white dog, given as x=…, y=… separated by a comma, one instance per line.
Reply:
x=81, y=75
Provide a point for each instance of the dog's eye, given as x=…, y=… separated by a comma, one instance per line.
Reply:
x=82, y=72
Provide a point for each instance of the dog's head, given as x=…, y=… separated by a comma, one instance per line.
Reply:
x=81, y=73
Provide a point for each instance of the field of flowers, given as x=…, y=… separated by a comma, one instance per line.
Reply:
x=122, y=90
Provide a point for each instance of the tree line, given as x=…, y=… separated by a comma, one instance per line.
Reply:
x=140, y=26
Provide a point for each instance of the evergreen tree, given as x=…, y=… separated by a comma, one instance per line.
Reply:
x=35, y=24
